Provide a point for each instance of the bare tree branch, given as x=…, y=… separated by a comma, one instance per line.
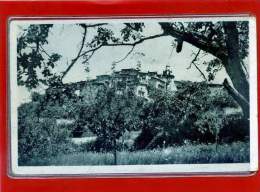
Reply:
x=45, y=52
x=124, y=44
x=202, y=74
x=92, y=25
x=168, y=30
x=193, y=62
x=73, y=61
x=128, y=53
x=91, y=55
x=92, y=51
x=79, y=53
x=194, y=59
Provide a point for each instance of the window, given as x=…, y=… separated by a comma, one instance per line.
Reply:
x=141, y=93
x=77, y=92
x=160, y=86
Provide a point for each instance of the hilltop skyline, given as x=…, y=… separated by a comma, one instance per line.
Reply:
x=152, y=55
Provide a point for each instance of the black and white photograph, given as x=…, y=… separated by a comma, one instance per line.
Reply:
x=134, y=95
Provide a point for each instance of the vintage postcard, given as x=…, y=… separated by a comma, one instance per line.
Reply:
x=132, y=96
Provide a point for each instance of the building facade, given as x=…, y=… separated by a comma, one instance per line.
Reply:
x=128, y=79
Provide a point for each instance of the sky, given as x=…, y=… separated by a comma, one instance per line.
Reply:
x=65, y=40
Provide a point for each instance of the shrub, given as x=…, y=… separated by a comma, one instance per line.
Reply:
x=195, y=112
x=234, y=128
x=40, y=139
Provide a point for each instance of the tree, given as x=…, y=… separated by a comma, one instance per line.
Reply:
x=227, y=41
x=190, y=114
x=158, y=121
x=39, y=140
x=108, y=116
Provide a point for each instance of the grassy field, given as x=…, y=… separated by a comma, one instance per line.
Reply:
x=190, y=154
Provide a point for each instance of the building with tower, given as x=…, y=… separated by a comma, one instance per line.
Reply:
x=128, y=79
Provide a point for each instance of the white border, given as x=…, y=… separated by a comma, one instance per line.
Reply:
x=131, y=169
x=253, y=94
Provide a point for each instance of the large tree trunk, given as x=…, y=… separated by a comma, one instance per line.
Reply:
x=228, y=54
x=233, y=63
x=244, y=104
x=234, y=69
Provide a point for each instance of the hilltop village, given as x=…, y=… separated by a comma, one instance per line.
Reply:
x=128, y=79
x=140, y=83
x=69, y=104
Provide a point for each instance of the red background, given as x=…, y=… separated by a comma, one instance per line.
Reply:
x=118, y=8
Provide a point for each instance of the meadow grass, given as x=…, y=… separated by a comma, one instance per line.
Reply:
x=187, y=154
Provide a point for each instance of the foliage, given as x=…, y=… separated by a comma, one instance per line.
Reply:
x=192, y=113
x=57, y=102
x=35, y=64
x=31, y=56
x=235, y=128
x=109, y=115
x=213, y=67
x=226, y=41
x=203, y=114
x=131, y=31
x=40, y=138
x=159, y=117
x=215, y=34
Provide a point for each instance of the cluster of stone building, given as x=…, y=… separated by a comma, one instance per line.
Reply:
x=139, y=82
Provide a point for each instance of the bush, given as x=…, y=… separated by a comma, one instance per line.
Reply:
x=40, y=139
x=234, y=128
x=193, y=113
